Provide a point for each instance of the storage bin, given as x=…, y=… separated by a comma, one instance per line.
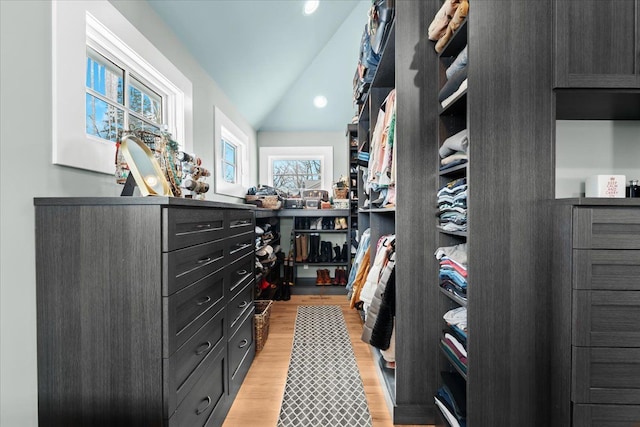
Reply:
x=261, y=316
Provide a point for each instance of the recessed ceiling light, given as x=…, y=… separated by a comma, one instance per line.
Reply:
x=311, y=6
x=320, y=101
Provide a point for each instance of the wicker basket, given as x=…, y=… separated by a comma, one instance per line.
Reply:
x=341, y=193
x=268, y=202
x=263, y=312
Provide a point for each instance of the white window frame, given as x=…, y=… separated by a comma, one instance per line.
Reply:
x=269, y=154
x=99, y=25
x=225, y=128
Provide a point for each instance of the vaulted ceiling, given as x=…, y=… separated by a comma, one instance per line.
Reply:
x=272, y=60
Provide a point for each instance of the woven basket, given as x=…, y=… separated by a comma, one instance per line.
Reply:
x=263, y=312
x=268, y=202
x=341, y=193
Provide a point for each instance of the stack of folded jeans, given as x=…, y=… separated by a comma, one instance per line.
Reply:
x=452, y=205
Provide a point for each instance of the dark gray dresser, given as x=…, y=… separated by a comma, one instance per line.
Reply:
x=596, y=306
x=145, y=310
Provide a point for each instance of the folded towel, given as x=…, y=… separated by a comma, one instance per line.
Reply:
x=457, y=142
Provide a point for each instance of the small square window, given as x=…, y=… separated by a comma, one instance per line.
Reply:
x=229, y=161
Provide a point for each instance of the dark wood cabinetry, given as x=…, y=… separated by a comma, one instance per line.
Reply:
x=145, y=310
x=596, y=301
x=597, y=44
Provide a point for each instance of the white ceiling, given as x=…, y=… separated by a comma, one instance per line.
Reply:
x=271, y=60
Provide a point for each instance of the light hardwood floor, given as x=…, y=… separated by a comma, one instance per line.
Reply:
x=259, y=398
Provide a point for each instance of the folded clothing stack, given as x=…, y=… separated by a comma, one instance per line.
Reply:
x=455, y=150
x=451, y=399
x=453, y=269
x=452, y=205
x=454, y=339
x=448, y=19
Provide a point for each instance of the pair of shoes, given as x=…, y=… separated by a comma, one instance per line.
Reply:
x=316, y=224
x=341, y=223
x=323, y=277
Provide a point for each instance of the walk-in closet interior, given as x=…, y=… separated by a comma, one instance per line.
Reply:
x=471, y=257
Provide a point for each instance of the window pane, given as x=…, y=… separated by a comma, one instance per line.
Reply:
x=146, y=101
x=136, y=123
x=229, y=152
x=229, y=173
x=102, y=119
x=135, y=99
x=295, y=174
x=104, y=77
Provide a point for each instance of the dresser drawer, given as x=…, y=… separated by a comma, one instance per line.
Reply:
x=606, y=318
x=240, y=221
x=606, y=375
x=239, y=272
x=185, y=366
x=606, y=228
x=238, y=306
x=606, y=269
x=208, y=394
x=240, y=245
x=241, y=352
x=187, y=227
x=606, y=415
x=186, y=266
x=188, y=309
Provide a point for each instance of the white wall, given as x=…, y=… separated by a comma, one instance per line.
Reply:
x=26, y=172
x=594, y=147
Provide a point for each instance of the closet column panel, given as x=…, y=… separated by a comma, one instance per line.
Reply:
x=417, y=325
x=511, y=131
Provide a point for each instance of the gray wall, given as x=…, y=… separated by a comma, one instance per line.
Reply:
x=590, y=147
x=26, y=172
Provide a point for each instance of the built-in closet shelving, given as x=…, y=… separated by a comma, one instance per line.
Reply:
x=508, y=111
x=380, y=221
x=452, y=119
x=352, y=141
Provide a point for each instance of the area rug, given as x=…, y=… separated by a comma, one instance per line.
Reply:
x=323, y=386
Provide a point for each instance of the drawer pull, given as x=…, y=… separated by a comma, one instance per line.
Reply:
x=203, y=260
x=201, y=410
x=242, y=245
x=243, y=304
x=203, y=348
x=203, y=300
x=241, y=222
x=203, y=226
x=243, y=343
x=241, y=272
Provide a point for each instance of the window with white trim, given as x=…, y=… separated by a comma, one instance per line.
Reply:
x=295, y=168
x=232, y=157
x=124, y=80
x=110, y=108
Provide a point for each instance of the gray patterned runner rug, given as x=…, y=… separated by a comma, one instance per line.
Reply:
x=323, y=386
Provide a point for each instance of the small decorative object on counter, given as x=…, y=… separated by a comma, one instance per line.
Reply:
x=605, y=186
x=633, y=190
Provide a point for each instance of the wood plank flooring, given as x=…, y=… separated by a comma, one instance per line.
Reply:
x=259, y=398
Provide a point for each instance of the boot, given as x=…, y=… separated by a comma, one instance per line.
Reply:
x=338, y=276
x=343, y=278
x=345, y=253
x=298, y=248
x=337, y=224
x=304, y=247
x=338, y=256
x=327, y=277
x=286, y=291
x=319, y=277
x=323, y=251
x=314, y=251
